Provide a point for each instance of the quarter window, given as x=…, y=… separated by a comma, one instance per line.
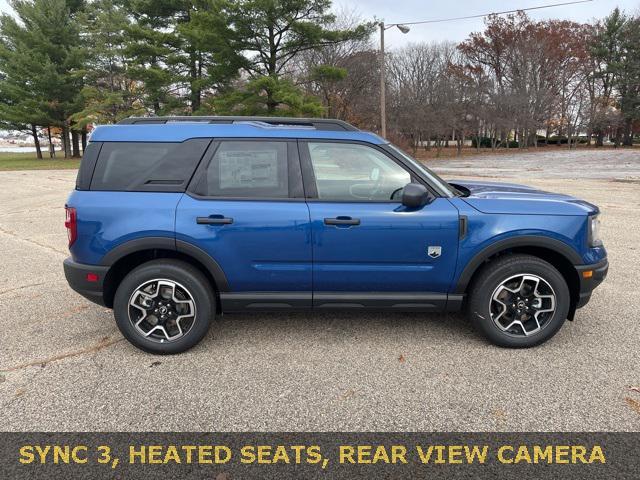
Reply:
x=246, y=169
x=354, y=172
x=147, y=166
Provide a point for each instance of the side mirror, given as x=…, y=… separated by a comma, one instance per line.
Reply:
x=415, y=195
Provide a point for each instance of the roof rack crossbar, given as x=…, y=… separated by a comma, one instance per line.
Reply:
x=317, y=123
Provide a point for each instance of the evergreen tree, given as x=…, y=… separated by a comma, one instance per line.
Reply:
x=606, y=50
x=258, y=95
x=276, y=31
x=150, y=40
x=210, y=57
x=628, y=80
x=41, y=57
x=19, y=107
x=109, y=93
x=179, y=50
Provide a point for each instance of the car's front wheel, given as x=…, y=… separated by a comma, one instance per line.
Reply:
x=518, y=301
x=164, y=306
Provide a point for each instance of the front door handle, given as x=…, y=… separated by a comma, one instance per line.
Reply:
x=214, y=220
x=342, y=221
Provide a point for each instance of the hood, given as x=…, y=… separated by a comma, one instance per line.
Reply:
x=511, y=198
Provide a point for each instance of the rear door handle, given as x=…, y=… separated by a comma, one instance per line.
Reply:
x=214, y=220
x=342, y=221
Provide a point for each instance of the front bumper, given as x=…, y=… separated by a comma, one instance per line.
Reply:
x=77, y=277
x=587, y=285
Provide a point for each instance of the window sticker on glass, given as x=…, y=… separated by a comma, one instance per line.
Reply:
x=257, y=169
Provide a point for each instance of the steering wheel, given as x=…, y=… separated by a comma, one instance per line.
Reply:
x=375, y=188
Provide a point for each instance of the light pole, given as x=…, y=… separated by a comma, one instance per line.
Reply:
x=383, y=74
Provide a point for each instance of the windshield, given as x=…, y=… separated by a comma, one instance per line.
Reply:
x=443, y=187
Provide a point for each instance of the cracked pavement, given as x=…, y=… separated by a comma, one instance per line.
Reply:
x=65, y=367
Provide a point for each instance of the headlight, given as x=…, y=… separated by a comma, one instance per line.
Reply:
x=594, y=231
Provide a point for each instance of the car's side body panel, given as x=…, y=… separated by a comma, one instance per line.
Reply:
x=267, y=248
x=107, y=220
x=388, y=251
x=489, y=234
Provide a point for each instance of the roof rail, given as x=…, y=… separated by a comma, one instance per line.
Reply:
x=317, y=123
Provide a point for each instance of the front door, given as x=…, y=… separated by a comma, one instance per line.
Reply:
x=246, y=209
x=368, y=249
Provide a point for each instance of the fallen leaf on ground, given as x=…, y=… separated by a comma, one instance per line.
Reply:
x=500, y=416
x=19, y=392
x=348, y=394
x=401, y=358
x=154, y=364
x=634, y=404
x=635, y=389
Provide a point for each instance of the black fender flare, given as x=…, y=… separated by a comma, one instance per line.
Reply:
x=167, y=243
x=207, y=260
x=523, y=241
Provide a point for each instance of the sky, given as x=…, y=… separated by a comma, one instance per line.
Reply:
x=398, y=11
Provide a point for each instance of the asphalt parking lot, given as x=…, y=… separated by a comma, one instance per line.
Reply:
x=65, y=367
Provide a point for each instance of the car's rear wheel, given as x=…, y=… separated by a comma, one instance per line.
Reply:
x=518, y=301
x=164, y=306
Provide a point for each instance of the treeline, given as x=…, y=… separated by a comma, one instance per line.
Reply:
x=518, y=83
x=523, y=83
x=66, y=65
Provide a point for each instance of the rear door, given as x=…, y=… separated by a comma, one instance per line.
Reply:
x=368, y=249
x=245, y=207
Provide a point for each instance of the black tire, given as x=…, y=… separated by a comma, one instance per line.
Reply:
x=181, y=273
x=492, y=276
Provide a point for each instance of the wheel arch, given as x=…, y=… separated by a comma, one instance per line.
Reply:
x=557, y=253
x=129, y=255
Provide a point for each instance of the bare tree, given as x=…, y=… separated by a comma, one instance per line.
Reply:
x=344, y=75
x=416, y=79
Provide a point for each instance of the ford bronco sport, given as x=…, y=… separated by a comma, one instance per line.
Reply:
x=175, y=220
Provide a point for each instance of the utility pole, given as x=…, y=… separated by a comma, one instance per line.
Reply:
x=383, y=100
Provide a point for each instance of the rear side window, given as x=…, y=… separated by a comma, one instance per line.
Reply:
x=87, y=165
x=247, y=169
x=147, y=166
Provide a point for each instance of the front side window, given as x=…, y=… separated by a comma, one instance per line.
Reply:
x=438, y=183
x=354, y=172
x=247, y=169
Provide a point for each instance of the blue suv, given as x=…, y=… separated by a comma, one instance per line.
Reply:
x=175, y=220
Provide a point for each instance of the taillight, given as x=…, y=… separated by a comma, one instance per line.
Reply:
x=71, y=223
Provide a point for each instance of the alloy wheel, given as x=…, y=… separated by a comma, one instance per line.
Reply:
x=523, y=304
x=162, y=310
